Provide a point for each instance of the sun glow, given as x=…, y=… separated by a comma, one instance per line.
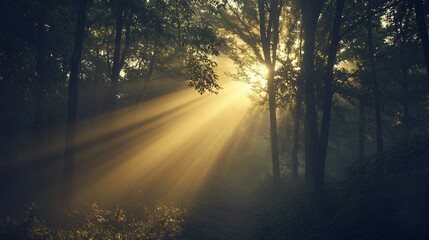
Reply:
x=255, y=77
x=258, y=74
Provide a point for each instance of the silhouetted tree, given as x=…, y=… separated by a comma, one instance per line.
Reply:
x=421, y=13
x=269, y=15
x=310, y=15
x=39, y=101
x=120, y=51
x=328, y=94
x=374, y=82
x=69, y=153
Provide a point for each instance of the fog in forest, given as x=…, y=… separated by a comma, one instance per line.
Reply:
x=219, y=119
x=167, y=148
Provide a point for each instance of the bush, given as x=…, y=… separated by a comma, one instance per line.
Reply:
x=91, y=222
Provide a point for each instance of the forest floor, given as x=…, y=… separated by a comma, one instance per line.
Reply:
x=224, y=213
x=385, y=200
x=390, y=203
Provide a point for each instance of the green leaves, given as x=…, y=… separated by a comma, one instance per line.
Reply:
x=202, y=42
x=206, y=40
x=201, y=71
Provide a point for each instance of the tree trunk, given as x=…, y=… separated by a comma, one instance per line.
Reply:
x=273, y=127
x=376, y=87
x=310, y=11
x=402, y=36
x=118, y=57
x=269, y=32
x=402, y=20
x=297, y=136
x=361, y=148
x=328, y=95
x=378, y=123
x=39, y=103
x=298, y=115
x=422, y=28
x=69, y=152
x=110, y=103
x=405, y=93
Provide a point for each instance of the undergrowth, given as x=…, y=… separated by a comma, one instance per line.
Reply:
x=92, y=222
x=377, y=200
x=388, y=199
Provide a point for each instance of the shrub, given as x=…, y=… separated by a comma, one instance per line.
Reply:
x=92, y=222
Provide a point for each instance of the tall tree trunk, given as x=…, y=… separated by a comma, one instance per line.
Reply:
x=376, y=87
x=328, y=95
x=179, y=32
x=405, y=92
x=297, y=120
x=118, y=55
x=378, y=123
x=401, y=21
x=422, y=28
x=273, y=127
x=110, y=103
x=362, y=102
x=269, y=32
x=402, y=31
x=39, y=103
x=297, y=134
x=310, y=11
x=98, y=74
x=69, y=152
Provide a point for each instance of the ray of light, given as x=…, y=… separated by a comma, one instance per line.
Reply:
x=171, y=144
x=177, y=151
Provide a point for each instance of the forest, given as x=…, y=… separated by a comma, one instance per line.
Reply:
x=214, y=119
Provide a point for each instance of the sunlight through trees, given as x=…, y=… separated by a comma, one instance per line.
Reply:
x=218, y=119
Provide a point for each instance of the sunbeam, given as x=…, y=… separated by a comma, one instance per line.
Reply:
x=174, y=143
x=169, y=146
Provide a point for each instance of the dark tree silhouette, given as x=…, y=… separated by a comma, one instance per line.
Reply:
x=69, y=153
x=421, y=14
x=39, y=101
x=375, y=83
x=120, y=52
x=310, y=15
x=269, y=32
x=328, y=94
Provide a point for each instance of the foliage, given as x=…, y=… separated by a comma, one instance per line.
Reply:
x=92, y=222
x=201, y=71
x=204, y=43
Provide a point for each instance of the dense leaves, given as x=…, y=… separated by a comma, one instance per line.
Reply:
x=200, y=69
x=92, y=222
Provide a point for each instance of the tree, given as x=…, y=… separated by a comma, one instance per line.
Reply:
x=375, y=83
x=269, y=15
x=310, y=14
x=297, y=120
x=402, y=32
x=328, y=94
x=122, y=20
x=39, y=105
x=422, y=29
x=69, y=152
x=258, y=32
